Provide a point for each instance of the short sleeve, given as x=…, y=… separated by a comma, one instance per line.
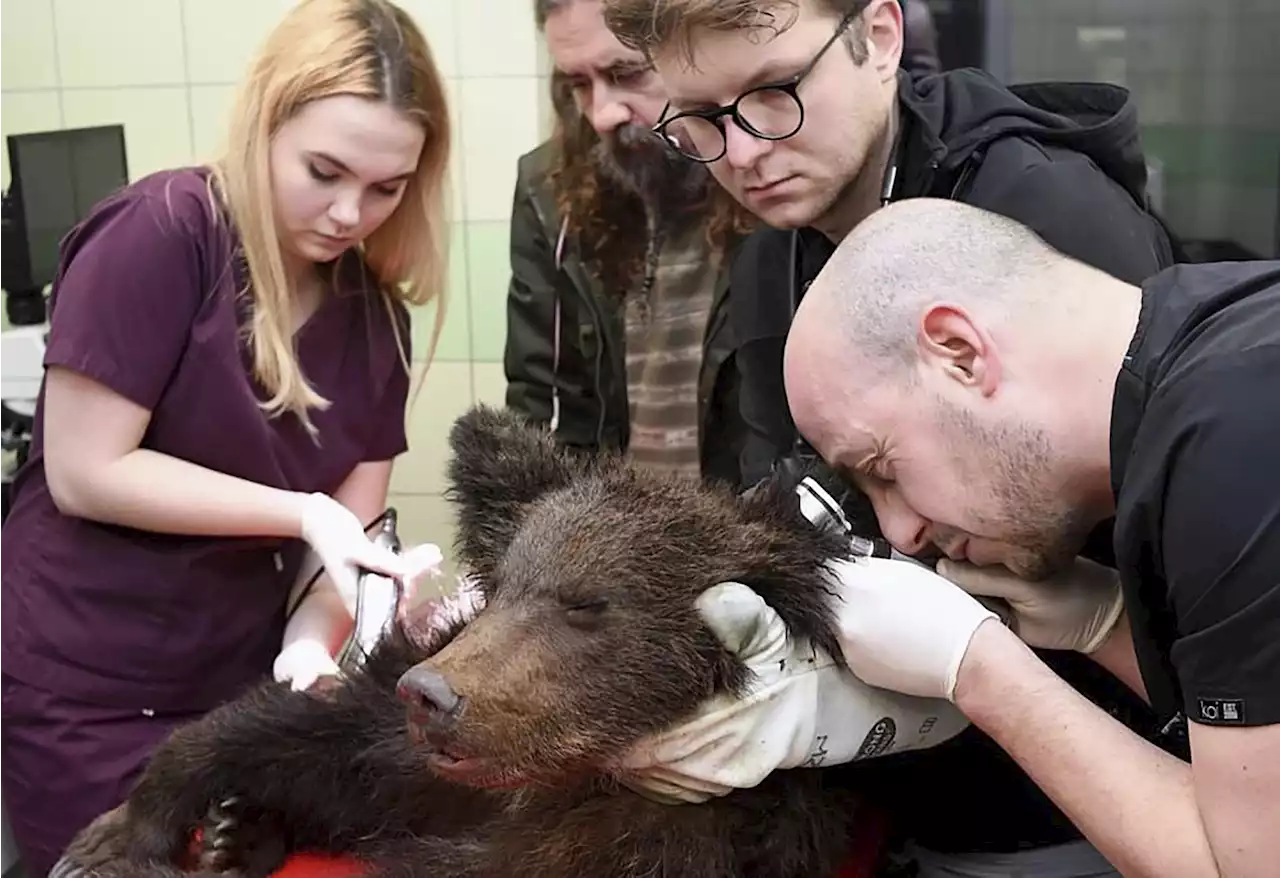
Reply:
x=389, y=438
x=1221, y=542
x=127, y=293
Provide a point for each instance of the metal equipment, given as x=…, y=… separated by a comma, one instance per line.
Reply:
x=377, y=602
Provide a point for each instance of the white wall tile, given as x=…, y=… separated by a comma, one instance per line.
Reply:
x=457, y=183
x=119, y=44
x=25, y=112
x=443, y=398
x=210, y=105
x=423, y=518
x=546, y=66
x=438, y=21
x=28, y=58
x=490, y=384
x=157, y=125
x=546, y=109
x=223, y=35
x=499, y=124
x=497, y=38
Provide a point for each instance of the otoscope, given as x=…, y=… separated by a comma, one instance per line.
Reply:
x=822, y=511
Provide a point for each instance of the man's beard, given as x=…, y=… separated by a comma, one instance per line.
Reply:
x=635, y=159
x=1041, y=528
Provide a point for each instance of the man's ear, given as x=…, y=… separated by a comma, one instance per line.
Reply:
x=883, y=31
x=500, y=464
x=950, y=340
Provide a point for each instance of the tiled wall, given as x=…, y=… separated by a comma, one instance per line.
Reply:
x=166, y=69
x=1204, y=76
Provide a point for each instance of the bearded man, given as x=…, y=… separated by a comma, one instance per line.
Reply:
x=620, y=255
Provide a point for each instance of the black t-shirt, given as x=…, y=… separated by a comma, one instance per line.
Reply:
x=1195, y=458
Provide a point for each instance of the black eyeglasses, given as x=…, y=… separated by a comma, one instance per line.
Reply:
x=770, y=112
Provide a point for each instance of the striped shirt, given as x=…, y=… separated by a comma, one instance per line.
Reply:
x=665, y=329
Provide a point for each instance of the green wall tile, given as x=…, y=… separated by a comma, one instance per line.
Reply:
x=455, y=338
x=1226, y=155
x=444, y=394
x=488, y=274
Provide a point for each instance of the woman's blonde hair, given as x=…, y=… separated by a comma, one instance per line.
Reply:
x=322, y=48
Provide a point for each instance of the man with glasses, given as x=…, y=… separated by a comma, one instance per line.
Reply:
x=798, y=108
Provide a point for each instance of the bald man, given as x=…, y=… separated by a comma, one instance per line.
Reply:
x=999, y=400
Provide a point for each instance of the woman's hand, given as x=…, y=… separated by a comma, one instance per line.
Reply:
x=302, y=663
x=339, y=540
x=421, y=562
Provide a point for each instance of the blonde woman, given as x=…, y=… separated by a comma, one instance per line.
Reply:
x=227, y=375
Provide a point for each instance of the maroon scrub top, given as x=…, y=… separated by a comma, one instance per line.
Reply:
x=149, y=301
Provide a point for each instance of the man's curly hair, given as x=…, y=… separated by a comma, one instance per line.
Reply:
x=602, y=214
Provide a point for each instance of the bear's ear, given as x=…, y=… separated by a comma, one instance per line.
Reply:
x=789, y=569
x=500, y=463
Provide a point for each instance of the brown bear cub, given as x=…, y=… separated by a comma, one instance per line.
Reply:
x=491, y=750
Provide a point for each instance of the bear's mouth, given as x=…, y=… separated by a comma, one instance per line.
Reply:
x=452, y=763
x=474, y=771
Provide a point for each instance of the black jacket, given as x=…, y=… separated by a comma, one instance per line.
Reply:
x=1066, y=161
x=587, y=385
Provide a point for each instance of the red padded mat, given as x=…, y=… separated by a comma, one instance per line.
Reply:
x=312, y=866
x=862, y=860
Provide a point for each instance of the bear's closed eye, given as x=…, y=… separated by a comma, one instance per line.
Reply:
x=584, y=613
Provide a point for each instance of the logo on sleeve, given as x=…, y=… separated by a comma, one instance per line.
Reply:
x=878, y=740
x=1222, y=711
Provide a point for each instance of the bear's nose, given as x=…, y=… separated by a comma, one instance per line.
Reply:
x=427, y=691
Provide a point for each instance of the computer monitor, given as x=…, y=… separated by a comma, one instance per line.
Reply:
x=56, y=177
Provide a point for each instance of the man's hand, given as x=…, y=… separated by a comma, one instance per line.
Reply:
x=1074, y=610
x=801, y=709
x=903, y=627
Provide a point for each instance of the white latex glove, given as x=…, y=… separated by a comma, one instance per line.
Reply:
x=303, y=662
x=801, y=709
x=420, y=562
x=1072, y=610
x=339, y=540
x=449, y=610
x=903, y=627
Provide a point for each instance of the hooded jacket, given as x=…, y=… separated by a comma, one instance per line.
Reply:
x=1066, y=160
x=565, y=345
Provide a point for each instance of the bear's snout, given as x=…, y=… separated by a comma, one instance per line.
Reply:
x=429, y=695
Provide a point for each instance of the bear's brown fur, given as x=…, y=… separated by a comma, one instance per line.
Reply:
x=501, y=763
